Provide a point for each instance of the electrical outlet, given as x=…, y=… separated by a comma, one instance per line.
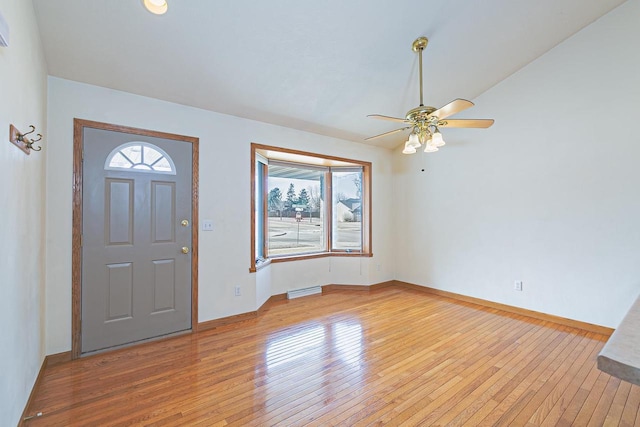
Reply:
x=237, y=291
x=207, y=225
x=517, y=285
x=378, y=266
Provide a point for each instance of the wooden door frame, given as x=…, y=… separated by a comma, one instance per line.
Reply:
x=76, y=258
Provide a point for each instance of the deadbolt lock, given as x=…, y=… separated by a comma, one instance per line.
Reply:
x=185, y=223
x=185, y=250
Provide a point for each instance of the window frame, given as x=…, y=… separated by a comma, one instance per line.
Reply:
x=312, y=159
x=260, y=246
x=344, y=169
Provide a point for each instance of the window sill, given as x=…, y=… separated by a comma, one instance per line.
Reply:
x=259, y=265
x=308, y=256
x=288, y=258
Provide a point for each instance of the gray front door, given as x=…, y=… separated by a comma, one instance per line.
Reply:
x=136, y=238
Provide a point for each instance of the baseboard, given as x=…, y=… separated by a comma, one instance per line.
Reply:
x=242, y=317
x=270, y=302
x=603, y=330
x=48, y=361
x=25, y=412
x=58, y=358
x=216, y=323
x=382, y=285
x=337, y=288
x=361, y=288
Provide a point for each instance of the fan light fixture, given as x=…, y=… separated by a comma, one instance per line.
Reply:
x=425, y=121
x=430, y=148
x=414, y=141
x=436, y=139
x=157, y=7
x=408, y=149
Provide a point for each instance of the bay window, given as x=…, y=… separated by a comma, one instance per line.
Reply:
x=307, y=205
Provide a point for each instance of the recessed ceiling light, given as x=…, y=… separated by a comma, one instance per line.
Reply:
x=158, y=7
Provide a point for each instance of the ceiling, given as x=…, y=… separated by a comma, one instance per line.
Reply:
x=317, y=66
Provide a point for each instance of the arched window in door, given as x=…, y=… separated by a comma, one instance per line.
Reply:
x=139, y=156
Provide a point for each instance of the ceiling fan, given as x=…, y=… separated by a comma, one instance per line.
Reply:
x=425, y=122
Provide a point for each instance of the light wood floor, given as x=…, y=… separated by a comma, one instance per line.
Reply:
x=390, y=357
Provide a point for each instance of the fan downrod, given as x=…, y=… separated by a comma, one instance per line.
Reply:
x=418, y=46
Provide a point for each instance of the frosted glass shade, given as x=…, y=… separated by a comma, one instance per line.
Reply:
x=408, y=149
x=413, y=141
x=158, y=7
x=437, y=140
x=430, y=148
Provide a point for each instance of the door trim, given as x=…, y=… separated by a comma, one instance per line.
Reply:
x=76, y=242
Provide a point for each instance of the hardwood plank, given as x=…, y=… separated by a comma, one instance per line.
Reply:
x=604, y=404
x=569, y=392
x=507, y=362
x=437, y=382
x=389, y=356
x=575, y=405
x=536, y=410
x=589, y=405
x=394, y=363
x=520, y=389
x=631, y=408
x=614, y=415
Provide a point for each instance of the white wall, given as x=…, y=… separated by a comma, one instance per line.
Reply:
x=224, y=198
x=333, y=270
x=549, y=195
x=22, y=103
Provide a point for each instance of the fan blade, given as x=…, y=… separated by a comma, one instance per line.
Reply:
x=392, y=119
x=451, y=108
x=467, y=123
x=387, y=133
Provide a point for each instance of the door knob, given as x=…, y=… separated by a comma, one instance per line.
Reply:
x=185, y=223
x=185, y=250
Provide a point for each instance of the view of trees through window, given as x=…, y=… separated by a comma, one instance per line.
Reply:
x=298, y=215
x=296, y=210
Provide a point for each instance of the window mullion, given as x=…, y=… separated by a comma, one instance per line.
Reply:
x=328, y=211
x=265, y=210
